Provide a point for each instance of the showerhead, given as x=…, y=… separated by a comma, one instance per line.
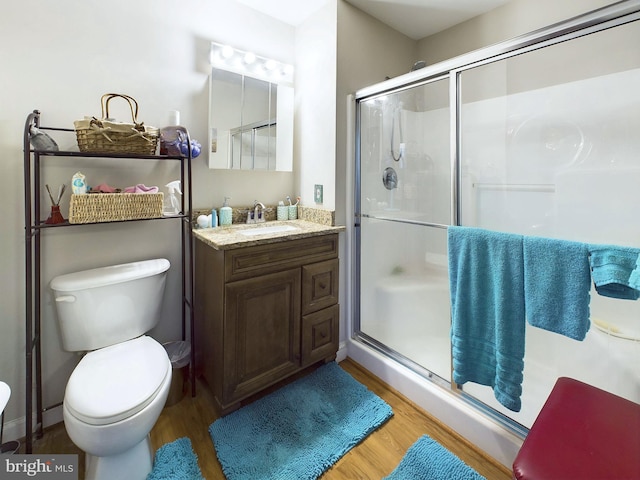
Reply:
x=418, y=65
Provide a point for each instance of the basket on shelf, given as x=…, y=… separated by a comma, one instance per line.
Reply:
x=114, y=207
x=108, y=136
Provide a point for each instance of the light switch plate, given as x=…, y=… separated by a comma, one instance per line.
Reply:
x=317, y=193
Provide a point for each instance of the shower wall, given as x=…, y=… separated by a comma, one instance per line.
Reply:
x=546, y=144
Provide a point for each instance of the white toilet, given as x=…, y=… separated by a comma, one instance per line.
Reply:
x=117, y=391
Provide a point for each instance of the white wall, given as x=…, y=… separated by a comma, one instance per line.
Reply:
x=60, y=57
x=503, y=23
x=315, y=123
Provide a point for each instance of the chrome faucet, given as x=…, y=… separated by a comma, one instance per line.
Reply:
x=258, y=212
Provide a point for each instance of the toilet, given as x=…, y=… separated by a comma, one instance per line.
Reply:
x=117, y=391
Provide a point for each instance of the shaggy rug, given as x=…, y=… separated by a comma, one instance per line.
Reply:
x=300, y=430
x=428, y=460
x=176, y=461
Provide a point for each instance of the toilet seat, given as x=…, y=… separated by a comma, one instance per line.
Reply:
x=116, y=382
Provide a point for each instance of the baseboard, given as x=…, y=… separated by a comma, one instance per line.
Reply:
x=342, y=352
x=16, y=429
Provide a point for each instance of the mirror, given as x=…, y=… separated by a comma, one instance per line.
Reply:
x=250, y=123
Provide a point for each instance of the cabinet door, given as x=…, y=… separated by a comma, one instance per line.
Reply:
x=320, y=335
x=319, y=285
x=261, y=333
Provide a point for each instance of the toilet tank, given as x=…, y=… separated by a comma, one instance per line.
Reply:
x=108, y=305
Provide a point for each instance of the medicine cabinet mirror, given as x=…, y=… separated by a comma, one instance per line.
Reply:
x=250, y=123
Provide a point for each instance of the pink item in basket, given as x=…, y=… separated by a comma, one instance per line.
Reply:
x=104, y=188
x=140, y=188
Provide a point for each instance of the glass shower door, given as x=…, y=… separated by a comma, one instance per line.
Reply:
x=405, y=206
x=553, y=152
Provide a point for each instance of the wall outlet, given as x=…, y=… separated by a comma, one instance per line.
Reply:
x=317, y=193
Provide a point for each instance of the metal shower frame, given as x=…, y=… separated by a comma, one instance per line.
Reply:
x=615, y=15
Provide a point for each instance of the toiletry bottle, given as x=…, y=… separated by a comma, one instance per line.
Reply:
x=78, y=184
x=171, y=135
x=171, y=203
x=214, y=218
x=225, y=216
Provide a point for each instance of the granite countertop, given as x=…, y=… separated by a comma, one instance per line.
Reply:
x=229, y=237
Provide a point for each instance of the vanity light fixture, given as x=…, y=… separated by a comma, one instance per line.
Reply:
x=239, y=61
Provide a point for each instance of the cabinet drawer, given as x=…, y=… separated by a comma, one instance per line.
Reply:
x=320, y=335
x=250, y=262
x=319, y=285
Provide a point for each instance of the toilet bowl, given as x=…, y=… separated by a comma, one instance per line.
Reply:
x=116, y=393
x=112, y=400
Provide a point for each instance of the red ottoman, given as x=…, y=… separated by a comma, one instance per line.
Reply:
x=582, y=432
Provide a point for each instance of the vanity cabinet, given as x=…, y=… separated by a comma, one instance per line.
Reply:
x=263, y=313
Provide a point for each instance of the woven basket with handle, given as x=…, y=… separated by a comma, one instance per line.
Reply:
x=107, y=136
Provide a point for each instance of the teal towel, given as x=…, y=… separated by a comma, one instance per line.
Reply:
x=611, y=269
x=634, y=278
x=557, y=281
x=486, y=277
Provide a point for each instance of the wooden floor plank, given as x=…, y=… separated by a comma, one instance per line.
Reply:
x=372, y=459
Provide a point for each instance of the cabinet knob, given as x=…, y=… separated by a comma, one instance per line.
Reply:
x=323, y=285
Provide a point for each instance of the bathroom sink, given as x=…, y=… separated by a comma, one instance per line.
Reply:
x=267, y=229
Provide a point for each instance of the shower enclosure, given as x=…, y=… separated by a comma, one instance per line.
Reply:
x=536, y=136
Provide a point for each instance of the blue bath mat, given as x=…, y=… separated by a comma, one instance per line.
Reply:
x=176, y=461
x=300, y=430
x=428, y=460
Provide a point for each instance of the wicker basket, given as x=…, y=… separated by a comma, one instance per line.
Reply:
x=114, y=207
x=106, y=136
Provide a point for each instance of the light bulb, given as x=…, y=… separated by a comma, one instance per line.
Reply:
x=227, y=51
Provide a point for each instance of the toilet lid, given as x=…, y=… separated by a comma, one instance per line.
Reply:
x=116, y=382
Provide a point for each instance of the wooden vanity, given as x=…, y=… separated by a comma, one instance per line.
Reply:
x=264, y=310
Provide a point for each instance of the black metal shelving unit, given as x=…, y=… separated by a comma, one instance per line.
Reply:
x=34, y=228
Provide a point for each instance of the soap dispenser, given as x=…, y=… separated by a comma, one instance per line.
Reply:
x=226, y=217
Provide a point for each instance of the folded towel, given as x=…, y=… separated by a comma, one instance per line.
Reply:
x=557, y=281
x=104, y=188
x=611, y=269
x=634, y=278
x=486, y=276
x=140, y=188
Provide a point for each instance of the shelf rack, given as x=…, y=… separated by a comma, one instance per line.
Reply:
x=34, y=228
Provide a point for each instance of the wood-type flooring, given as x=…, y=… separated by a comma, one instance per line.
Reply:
x=372, y=459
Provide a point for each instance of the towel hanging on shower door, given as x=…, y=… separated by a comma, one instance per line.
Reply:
x=486, y=276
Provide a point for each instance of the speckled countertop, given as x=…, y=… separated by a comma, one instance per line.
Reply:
x=229, y=237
